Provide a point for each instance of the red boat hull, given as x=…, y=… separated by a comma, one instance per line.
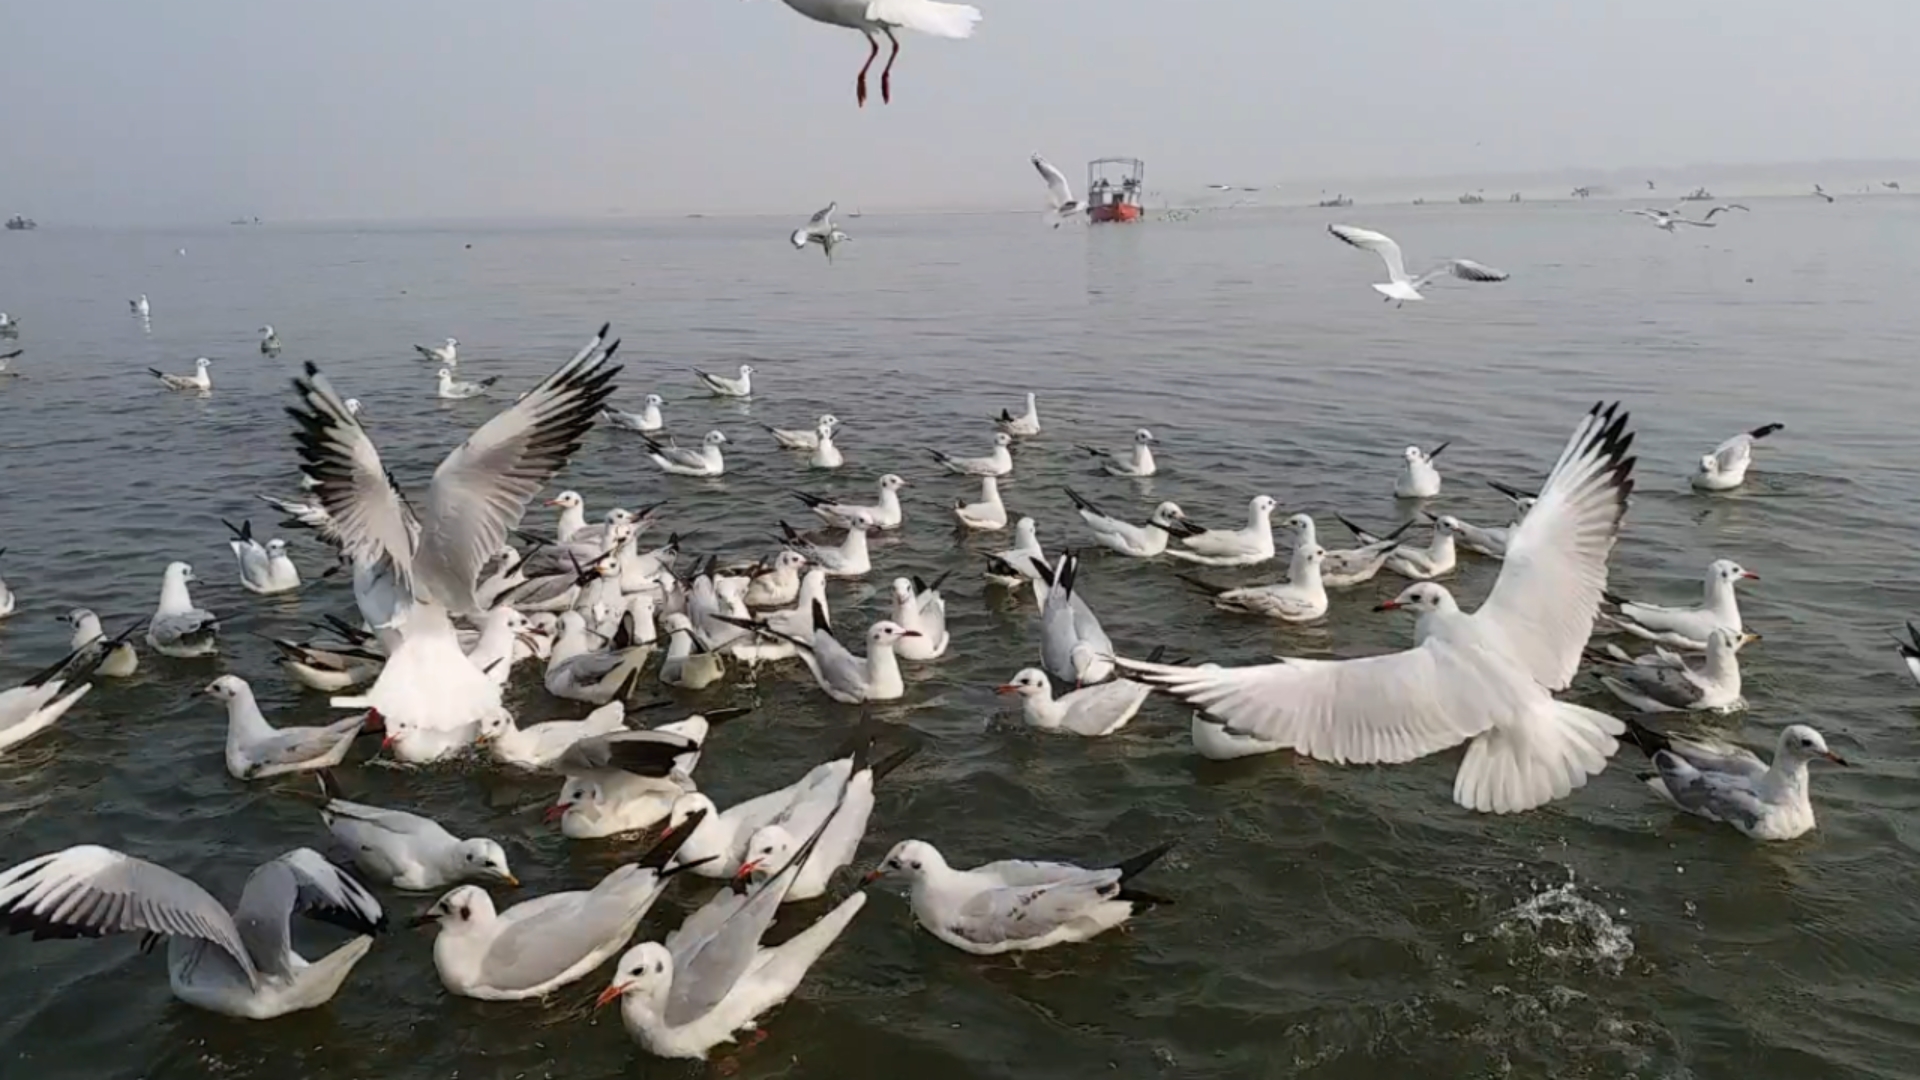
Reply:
x=1113, y=212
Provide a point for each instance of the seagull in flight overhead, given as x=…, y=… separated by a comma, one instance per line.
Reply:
x=883, y=16
x=1059, y=192
x=1400, y=287
x=1821, y=192
x=820, y=230
x=1667, y=219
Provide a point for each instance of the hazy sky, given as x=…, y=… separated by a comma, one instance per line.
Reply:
x=195, y=109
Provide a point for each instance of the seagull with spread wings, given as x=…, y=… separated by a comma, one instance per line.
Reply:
x=1399, y=287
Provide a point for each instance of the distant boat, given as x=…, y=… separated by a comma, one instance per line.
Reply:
x=1582, y=192
x=19, y=223
x=1336, y=201
x=1419, y=202
x=1470, y=199
x=1515, y=197
x=854, y=212
x=1698, y=194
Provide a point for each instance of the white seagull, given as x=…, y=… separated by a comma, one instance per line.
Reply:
x=825, y=454
x=8, y=601
x=120, y=661
x=1418, y=478
x=177, y=628
x=1139, y=464
x=987, y=515
x=872, y=17
x=884, y=515
x=671, y=457
x=798, y=439
x=1730, y=784
x=1726, y=467
x=264, y=569
x=269, y=341
x=1248, y=545
x=851, y=559
x=448, y=389
x=997, y=463
x=1486, y=679
x=1300, y=598
x=1687, y=628
x=1027, y=423
x=199, y=380
x=1437, y=559
x=646, y=421
x=407, y=851
x=141, y=309
x=1910, y=649
x=722, y=386
x=1092, y=711
x=842, y=675
x=1016, y=905
x=1138, y=541
x=1399, y=287
x=36, y=704
x=447, y=355
x=817, y=230
x=1352, y=566
x=1074, y=647
x=239, y=963
x=919, y=607
x=1668, y=219
x=257, y=750
x=1663, y=681
x=1061, y=205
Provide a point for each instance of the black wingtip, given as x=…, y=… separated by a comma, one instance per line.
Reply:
x=1765, y=430
x=893, y=761
x=1142, y=899
x=670, y=843
x=1202, y=587
x=1081, y=502
x=1133, y=867
x=820, y=621
x=716, y=717
x=1613, y=598
x=1648, y=740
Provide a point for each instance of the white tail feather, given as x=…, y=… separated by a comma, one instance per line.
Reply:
x=926, y=16
x=1515, y=768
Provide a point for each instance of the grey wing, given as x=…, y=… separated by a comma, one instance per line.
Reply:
x=1086, y=626
x=397, y=822
x=1019, y=912
x=681, y=455
x=1666, y=685
x=698, y=928
x=300, y=881
x=370, y=518
x=481, y=490
x=1028, y=871
x=540, y=947
x=295, y=746
x=1734, y=451
x=1720, y=797
x=1713, y=756
x=838, y=667
x=822, y=219
x=90, y=891
x=183, y=626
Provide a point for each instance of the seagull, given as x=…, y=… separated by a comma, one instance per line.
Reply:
x=1910, y=652
x=646, y=421
x=777, y=585
x=808, y=439
x=987, y=515
x=269, y=341
x=884, y=515
x=37, y=704
x=883, y=17
x=1016, y=905
x=844, y=676
x=919, y=607
x=688, y=664
x=447, y=355
x=1435, y=560
x=1092, y=711
x=1419, y=479
x=835, y=813
x=1730, y=784
x=825, y=454
x=998, y=463
x=627, y=781
x=1687, y=628
x=329, y=670
x=678, y=460
x=1667, y=219
x=600, y=675
x=430, y=549
x=533, y=948
x=1027, y=423
x=8, y=601
x=540, y=745
x=1820, y=192
x=1721, y=210
x=1353, y=566
x=177, y=627
x=449, y=390
x=1245, y=546
x=199, y=380
x=256, y=750
x=1300, y=598
x=119, y=660
x=1074, y=647
x=265, y=570
x=817, y=230
x=7, y=358
x=1140, y=464
x=1663, y=681
x=851, y=559
x=1061, y=204
x=721, y=386
x=1399, y=286
x=1726, y=467
x=1022, y=564
x=1486, y=679
x=407, y=851
x=238, y=963
x=1138, y=541
x=141, y=309
x=9, y=326
x=717, y=847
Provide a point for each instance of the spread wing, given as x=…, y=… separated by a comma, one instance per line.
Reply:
x=300, y=881
x=90, y=891
x=1059, y=192
x=822, y=219
x=370, y=518
x=1379, y=243
x=1549, y=589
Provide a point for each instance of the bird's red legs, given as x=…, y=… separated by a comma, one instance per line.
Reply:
x=886, y=73
x=860, y=84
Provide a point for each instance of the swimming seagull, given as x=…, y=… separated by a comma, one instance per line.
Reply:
x=256, y=750
x=1027, y=423
x=1686, y=628
x=1663, y=681
x=240, y=963
x=884, y=16
x=449, y=390
x=987, y=515
x=1022, y=564
x=8, y=601
x=141, y=309
x=1074, y=647
x=1348, y=567
x=1486, y=679
x=919, y=607
x=825, y=454
x=646, y=421
x=407, y=851
x=722, y=386
x=844, y=676
x=116, y=658
x=9, y=326
x=199, y=380
x=1139, y=464
x=7, y=358
x=1016, y=905
x=883, y=515
x=36, y=704
x=535, y=947
x=1667, y=219
x=269, y=341
x=1399, y=287
x=1419, y=479
x=808, y=439
x=1438, y=558
x=1726, y=467
x=264, y=569
x=1248, y=545
x=447, y=355
x=1061, y=203
x=1138, y=541
x=1730, y=784
x=997, y=463
x=430, y=549
x=671, y=457
x=1910, y=649
x=1092, y=711
x=1300, y=598
x=177, y=627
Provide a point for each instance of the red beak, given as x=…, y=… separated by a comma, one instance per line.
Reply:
x=870, y=877
x=1750, y=575
x=374, y=721
x=611, y=993
x=1389, y=605
x=746, y=869
x=1008, y=688
x=555, y=811
x=386, y=743
x=553, y=502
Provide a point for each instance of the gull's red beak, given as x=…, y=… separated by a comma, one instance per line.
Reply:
x=1835, y=758
x=870, y=877
x=553, y=502
x=1390, y=605
x=1750, y=575
x=387, y=742
x=1008, y=688
x=746, y=869
x=611, y=993
x=555, y=811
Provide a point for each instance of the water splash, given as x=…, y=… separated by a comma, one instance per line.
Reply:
x=1561, y=924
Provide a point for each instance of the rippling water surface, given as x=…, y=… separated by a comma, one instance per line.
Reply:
x=1329, y=922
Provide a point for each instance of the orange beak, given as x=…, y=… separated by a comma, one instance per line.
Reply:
x=746, y=869
x=611, y=993
x=1390, y=605
x=870, y=877
x=1007, y=688
x=555, y=811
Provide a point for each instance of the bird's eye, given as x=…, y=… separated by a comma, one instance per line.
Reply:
x=915, y=864
x=469, y=858
x=466, y=913
x=658, y=967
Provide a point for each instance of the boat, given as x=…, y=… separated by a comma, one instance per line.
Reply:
x=1515, y=197
x=1698, y=194
x=1470, y=199
x=1582, y=192
x=1114, y=185
x=1336, y=202
x=854, y=213
x=21, y=223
